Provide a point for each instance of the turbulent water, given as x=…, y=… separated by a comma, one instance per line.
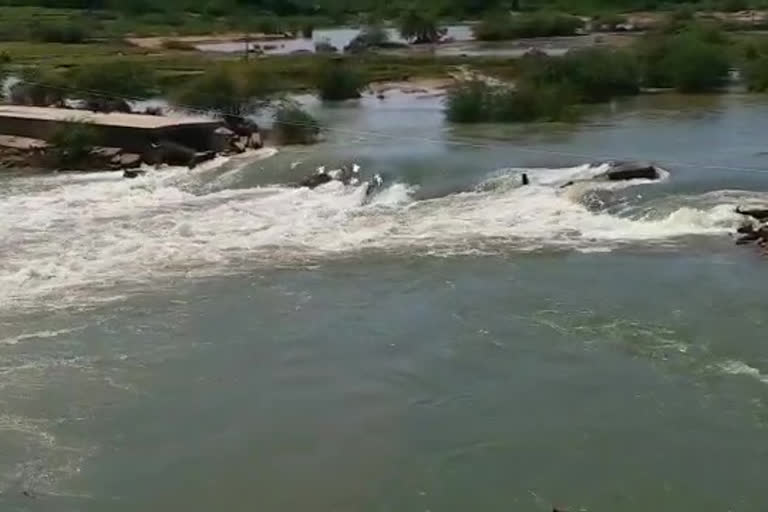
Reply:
x=75, y=232
x=221, y=339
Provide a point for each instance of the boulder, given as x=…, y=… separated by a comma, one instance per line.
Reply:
x=101, y=104
x=315, y=180
x=240, y=144
x=200, y=157
x=255, y=142
x=221, y=139
x=624, y=171
x=760, y=214
x=133, y=173
x=106, y=152
x=126, y=161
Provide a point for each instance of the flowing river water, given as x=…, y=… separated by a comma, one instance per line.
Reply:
x=216, y=340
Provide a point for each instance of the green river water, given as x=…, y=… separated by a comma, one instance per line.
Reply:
x=215, y=340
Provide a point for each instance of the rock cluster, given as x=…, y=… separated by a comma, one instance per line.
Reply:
x=754, y=230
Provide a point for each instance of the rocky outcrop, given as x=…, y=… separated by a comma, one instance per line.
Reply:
x=345, y=175
x=754, y=229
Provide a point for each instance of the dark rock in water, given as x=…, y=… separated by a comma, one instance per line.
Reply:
x=374, y=185
x=202, y=156
x=126, y=161
x=101, y=104
x=133, y=173
x=315, y=180
x=623, y=171
x=746, y=229
x=760, y=214
x=748, y=238
x=241, y=126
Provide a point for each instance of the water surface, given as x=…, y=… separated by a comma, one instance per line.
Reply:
x=217, y=340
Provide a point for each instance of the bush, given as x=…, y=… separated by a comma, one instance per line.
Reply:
x=37, y=87
x=125, y=79
x=337, y=81
x=689, y=61
x=735, y=5
x=70, y=32
x=469, y=102
x=592, y=74
x=696, y=66
x=292, y=125
x=478, y=102
x=74, y=143
x=268, y=25
x=370, y=36
x=419, y=27
x=499, y=27
x=227, y=89
x=755, y=73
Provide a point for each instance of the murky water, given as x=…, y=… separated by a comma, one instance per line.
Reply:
x=216, y=340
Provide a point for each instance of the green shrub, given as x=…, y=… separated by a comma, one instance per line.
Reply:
x=38, y=87
x=695, y=66
x=694, y=60
x=499, y=27
x=592, y=74
x=73, y=143
x=735, y=5
x=228, y=89
x=469, y=102
x=755, y=73
x=689, y=61
x=292, y=125
x=370, y=36
x=478, y=102
x=70, y=32
x=419, y=27
x=337, y=81
x=128, y=79
x=268, y=25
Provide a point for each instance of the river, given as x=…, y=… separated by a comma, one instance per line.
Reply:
x=215, y=340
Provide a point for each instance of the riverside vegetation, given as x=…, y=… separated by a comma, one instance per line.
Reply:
x=78, y=51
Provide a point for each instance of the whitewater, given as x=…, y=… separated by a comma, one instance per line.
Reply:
x=64, y=235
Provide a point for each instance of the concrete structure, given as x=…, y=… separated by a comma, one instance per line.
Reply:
x=132, y=132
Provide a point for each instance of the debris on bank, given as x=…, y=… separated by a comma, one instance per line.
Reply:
x=30, y=137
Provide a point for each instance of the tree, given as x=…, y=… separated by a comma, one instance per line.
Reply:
x=419, y=27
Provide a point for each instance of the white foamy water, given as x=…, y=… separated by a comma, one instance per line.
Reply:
x=62, y=236
x=742, y=368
